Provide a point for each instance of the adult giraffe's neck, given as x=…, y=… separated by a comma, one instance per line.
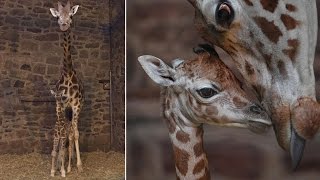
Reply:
x=67, y=61
x=190, y=158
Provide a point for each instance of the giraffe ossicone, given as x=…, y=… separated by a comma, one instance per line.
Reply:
x=198, y=91
x=272, y=43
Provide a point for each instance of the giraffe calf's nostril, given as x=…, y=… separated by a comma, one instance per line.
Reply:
x=256, y=109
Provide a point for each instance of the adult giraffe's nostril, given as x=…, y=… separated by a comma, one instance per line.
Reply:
x=256, y=109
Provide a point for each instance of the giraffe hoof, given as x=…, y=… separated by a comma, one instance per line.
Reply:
x=80, y=168
x=52, y=174
x=63, y=174
x=68, y=169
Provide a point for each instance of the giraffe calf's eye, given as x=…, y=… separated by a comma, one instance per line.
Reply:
x=207, y=92
x=224, y=14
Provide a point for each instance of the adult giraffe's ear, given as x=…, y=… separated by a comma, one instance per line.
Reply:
x=54, y=12
x=157, y=70
x=74, y=10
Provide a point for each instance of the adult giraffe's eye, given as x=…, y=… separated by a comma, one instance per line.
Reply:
x=224, y=14
x=207, y=92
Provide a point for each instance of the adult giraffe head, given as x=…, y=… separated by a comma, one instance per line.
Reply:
x=272, y=44
x=64, y=15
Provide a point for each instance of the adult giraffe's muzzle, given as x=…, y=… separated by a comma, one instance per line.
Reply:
x=293, y=126
x=305, y=122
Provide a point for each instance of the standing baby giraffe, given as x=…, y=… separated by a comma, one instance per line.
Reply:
x=69, y=83
x=64, y=116
x=202, y=90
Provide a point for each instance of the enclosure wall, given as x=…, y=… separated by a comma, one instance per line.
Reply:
x=31, y=57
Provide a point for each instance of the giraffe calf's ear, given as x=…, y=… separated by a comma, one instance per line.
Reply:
x=74, y=10
x=52, y=92
x=54, y=12
x=157, y=70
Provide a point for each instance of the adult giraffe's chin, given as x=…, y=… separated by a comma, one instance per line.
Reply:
x=272, y=44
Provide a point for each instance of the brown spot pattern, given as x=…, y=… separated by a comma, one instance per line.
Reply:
x=238, y=103
x=182, y=136
x=293, y=48
x=170, y=123
x=291, y=7
x=199, y=131
x=182, y=158
x=212, y=110
x=249, y=68
x=198, y=149
x=282, y=69
x=248, y=2
x=269, y=29
x=206, y=175
x=267, y=58
x=289, y=21
x=199, y=166
x=269, y=5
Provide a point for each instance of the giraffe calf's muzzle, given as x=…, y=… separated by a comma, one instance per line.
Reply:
x=260, y=121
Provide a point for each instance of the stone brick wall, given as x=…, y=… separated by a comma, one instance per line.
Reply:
x=164, y=28
x=118, y=74
x=30, y=62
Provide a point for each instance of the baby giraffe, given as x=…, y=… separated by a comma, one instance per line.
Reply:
x=202, y=90
x=61, y=131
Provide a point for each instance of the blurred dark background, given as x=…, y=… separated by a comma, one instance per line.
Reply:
x=164, y=28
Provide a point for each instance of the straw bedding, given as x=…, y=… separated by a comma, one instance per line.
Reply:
x=96, y=165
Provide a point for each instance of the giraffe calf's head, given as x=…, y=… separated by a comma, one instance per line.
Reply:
x=59, y=95
x=64, y=15
x=206, y=91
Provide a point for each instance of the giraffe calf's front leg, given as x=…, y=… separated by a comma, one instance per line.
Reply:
x=62, y=156
x=54, y=155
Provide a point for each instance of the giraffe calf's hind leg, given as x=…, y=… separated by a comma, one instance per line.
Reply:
x=70, y=148
x=62, y=156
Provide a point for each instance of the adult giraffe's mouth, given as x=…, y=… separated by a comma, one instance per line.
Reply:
x=297, y=144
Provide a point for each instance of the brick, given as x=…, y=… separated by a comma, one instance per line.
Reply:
x=40, y=10
x=48, y=37
x=87, y=24
x=17, y=12
x=54, y=60
x=84, y=54
x=34, y=30
x=53, y=70
x=19, y=84
x=39, y=69
x=92, y=45
x=9, y=35
x=29, y=46
x=12, y=20
x=42, y=23
x=26, y=67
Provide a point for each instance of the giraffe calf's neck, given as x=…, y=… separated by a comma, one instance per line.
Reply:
x=190, y=158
